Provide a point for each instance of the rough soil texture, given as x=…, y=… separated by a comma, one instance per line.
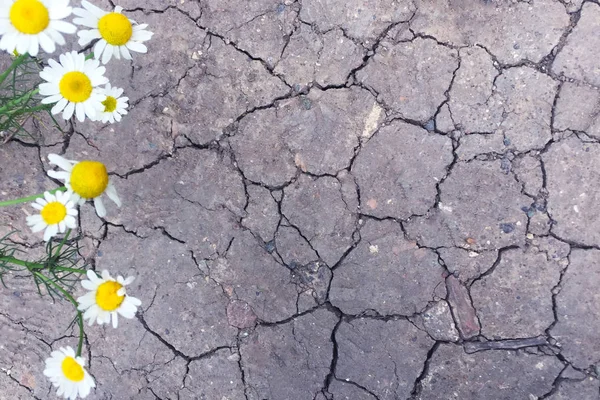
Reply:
x=336, y=200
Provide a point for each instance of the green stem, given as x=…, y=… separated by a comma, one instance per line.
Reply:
x=62, y=242
x=33, y=265
x=49, y=281
x=30, y=198
x=16, y=102
x=17, y=61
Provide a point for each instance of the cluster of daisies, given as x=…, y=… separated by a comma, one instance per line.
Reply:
x=75, y=84
x=106, y=298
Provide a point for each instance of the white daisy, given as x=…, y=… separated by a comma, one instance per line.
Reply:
x=57, y=212
x=73, y=86
x=66, y=372
x=25, y=25
x=107, y=298
x=117, y=33
x=88, y=180
x=114, y=106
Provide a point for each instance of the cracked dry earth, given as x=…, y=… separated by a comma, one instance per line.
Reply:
x=329, y=200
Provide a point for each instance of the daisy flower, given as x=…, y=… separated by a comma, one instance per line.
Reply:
x=88, y=180
x=25, y=25
x=117, y=33
x=107, y=298
x=57, y=212
x=66, y=372
x=114, y=106
x=73, y=86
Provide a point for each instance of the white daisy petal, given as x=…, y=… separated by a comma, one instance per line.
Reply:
x=51, y=231
x=108, y=51
x=68, y=111
x=34, y=45
x=137, y=47
x=63, y=26
x=58, y=107
x=100, y=209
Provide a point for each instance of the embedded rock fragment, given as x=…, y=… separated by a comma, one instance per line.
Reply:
x=438, y=322
x=461, y=304
x=398, y=170
x=386, y=273
x=391, y=355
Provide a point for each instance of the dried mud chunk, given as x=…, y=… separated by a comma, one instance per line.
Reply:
x=317, y=133
x=398, y=170
x=390, y=353
x=291, y=360
x=577, y=60
x=513, y=32
x=577, y=311
x=515, y=301
x=488, y=374
x=480, y=206
x=573, y=175
x=421, y=71
x=317, y=208
x=386, y=273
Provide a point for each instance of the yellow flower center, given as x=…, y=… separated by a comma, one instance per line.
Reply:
x=75, y=86
x=110, y=104
x=29, y=16
x=89, y=179
x=72, y=370
x=115, y=28
x=53, y=212
x=107, y=297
